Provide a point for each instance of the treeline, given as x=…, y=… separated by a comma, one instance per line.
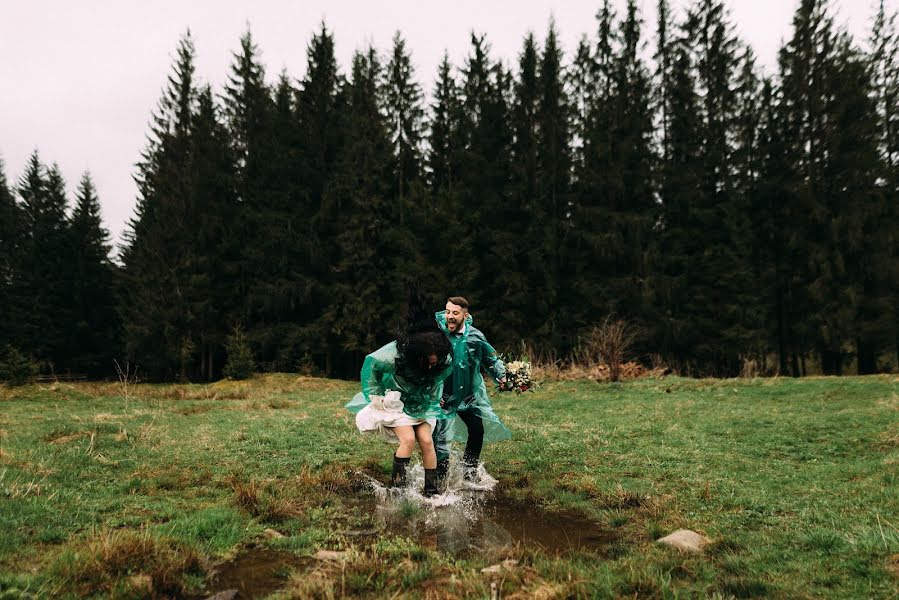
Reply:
x=731, y=214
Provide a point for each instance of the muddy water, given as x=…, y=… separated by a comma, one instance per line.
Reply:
x=463, y=523
x=256, y=573
x=481, y=524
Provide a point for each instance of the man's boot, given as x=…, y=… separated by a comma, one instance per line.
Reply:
x=398, y=477
x=470, y=462
x=430, y=483
x=443, y=465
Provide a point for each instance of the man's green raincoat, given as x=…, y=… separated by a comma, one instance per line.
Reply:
x=471, y=351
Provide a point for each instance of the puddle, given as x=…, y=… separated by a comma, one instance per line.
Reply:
x=466, y=521
x=471, y=522
x=255, y=573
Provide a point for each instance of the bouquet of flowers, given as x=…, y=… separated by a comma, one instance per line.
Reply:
x=518, y=377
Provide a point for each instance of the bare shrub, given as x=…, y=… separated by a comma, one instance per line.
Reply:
x=608, y=343
x=127, y=380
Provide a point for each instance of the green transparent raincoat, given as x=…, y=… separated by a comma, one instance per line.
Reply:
x=421, y=400
x=471, y=350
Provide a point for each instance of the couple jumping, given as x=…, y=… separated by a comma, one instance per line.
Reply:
x=426, y=387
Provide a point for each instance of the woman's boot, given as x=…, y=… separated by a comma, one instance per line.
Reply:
x=430, y=483
x=398, y=477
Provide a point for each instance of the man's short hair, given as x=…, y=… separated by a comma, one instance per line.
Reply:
x=458, y=301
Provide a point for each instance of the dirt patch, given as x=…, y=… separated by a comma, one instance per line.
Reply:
x=256, y=573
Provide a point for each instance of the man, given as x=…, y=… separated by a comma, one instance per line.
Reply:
x=465, y=393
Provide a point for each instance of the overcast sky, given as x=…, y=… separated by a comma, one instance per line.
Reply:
x=80, y=79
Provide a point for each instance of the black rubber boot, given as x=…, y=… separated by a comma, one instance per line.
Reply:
x=398, y=477
x=430, y=483
x=470, y=462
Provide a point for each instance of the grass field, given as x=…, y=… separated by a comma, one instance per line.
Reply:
x=147, y=492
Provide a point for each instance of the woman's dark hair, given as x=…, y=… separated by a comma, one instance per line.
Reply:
x=419, y=338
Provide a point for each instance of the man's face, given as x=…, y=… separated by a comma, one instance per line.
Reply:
x=455, y=317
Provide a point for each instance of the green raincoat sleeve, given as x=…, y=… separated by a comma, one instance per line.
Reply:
x=377, y=371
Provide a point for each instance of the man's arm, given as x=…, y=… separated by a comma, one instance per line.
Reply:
x=491, y=361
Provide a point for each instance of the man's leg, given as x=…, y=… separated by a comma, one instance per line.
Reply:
x=472, y=420
x=441, y=448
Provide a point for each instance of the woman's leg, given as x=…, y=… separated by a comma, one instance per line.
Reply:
x=428, y=458
x=426, y=443
x=406, y=436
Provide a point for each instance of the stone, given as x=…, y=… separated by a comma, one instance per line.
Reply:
x=685, y=541
x=226, y=595
x=508, y=564
x=141, y=582
x=273, y=534
x=330, y=555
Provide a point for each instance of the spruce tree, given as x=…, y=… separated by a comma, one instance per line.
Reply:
x=216, y=244
x=445, y=141
x=885, y=73
x=156, y=315
x=405, y=117
x=370, y=244
x=44, y=282
x=11, y=228
x=319, y=109
x=94, y=331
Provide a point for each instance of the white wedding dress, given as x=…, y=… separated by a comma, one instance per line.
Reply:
x=385, y=412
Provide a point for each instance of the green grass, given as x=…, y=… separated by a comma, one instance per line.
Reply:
x=794, y=481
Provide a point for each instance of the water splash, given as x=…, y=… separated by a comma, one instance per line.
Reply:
x=469, y=518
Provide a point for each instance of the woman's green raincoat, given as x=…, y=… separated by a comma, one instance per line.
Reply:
x=420, y=401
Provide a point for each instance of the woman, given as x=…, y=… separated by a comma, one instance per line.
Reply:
x=401, y=389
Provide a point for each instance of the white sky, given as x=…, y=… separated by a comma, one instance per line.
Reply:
x=80, y=79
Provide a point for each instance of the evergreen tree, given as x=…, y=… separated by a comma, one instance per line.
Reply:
x=550, y=217
x=885, y=74
x=484, y=181
x=511, y=284
x=675, y=240
x=852, y=284
x=616, y=209
x=94, y=331
x=405, y=117
x=156, y=315
x=215, y=244
x=43, y=280
x=371, y=257
x=319, y=109
x=446, y=134
x=11, y=229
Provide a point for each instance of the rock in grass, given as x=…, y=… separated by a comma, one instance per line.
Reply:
x=685, y=541
x=226, y=595
x=330, y=555
x=508, y=564
x=141, y=582
x=273, y=534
